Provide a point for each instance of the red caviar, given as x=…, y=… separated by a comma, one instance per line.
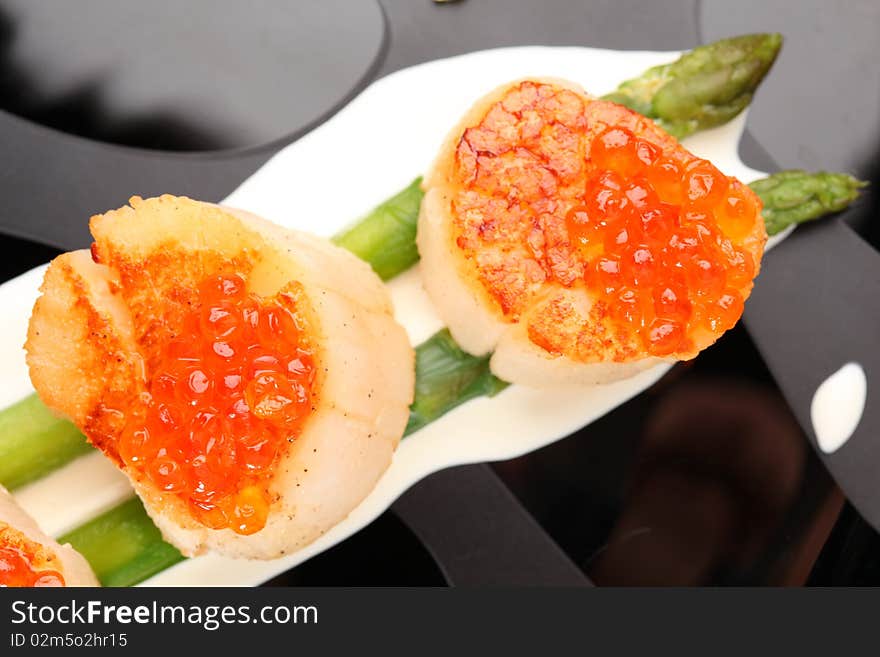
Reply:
x=230, y=391
x=24, y=562
x=673, y=239
x=555, y=190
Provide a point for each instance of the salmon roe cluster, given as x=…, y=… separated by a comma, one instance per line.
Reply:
x=18, y=559
x=556, y=190
x=230, y=391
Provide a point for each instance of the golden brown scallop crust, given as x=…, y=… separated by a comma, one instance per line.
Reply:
x=80, y=351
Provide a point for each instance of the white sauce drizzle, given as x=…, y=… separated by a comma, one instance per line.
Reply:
x=838, y=405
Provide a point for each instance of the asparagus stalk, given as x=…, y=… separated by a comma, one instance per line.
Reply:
x=796, y=196
x=386, y=237
x=33, y=442
x=123, y=545
x=704, y=88
x=446, y=377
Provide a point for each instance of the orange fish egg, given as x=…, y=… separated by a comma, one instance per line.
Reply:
x=24, y=562
x=550, y=190
x=226, y=395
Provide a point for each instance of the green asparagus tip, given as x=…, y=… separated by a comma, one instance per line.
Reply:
x=705, y=87
x=796, y=196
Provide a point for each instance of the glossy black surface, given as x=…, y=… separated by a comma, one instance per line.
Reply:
x=826, y=76
x=190, y=76
x=705, y=478
x=385, y=553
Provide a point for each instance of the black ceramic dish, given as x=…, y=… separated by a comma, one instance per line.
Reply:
x=301, y=63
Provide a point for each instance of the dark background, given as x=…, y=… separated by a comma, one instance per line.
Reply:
x=704, y=479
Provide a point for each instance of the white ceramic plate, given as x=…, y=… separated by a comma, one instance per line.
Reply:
x=369, y=150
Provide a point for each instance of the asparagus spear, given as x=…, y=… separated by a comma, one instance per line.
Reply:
x=704, y=88
x=123, y=545
x=386, y=237
x=33, y=442
x=796, y=196
x=446, y=377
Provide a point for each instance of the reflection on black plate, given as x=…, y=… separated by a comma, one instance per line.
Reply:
x=172, y=76
x=704, y=479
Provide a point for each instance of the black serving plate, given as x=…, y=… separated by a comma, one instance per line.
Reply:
x=708, y=477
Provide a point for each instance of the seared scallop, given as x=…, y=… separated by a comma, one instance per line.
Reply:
x=30, y=558
x=249, y=380
x=580, y=243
